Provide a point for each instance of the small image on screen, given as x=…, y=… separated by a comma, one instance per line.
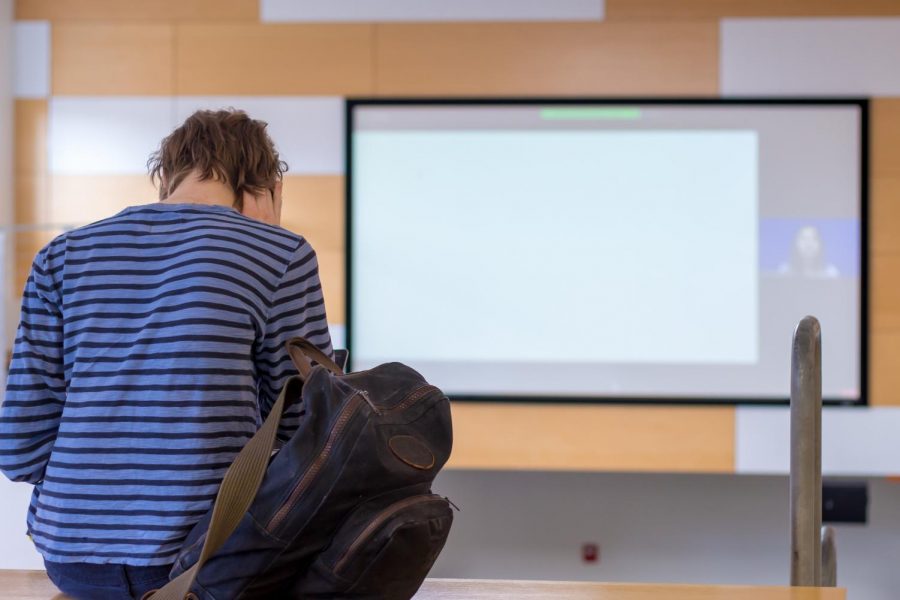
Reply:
x=596, y=251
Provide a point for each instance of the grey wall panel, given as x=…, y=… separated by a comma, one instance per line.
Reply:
x=431, y=10
x=31, y=50
x=822, y=56
x=854, y=441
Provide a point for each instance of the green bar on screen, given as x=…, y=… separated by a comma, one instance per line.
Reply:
x=589, y=113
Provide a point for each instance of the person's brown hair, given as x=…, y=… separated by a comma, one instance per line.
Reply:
x=221, y=145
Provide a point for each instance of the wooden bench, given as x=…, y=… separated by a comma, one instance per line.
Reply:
x=34, y=585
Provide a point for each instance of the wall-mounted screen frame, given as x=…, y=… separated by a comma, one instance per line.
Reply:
x=558, y=106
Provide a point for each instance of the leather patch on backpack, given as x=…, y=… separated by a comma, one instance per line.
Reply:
x=412, y=452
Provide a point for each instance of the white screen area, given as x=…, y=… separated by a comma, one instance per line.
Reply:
x=507, y=253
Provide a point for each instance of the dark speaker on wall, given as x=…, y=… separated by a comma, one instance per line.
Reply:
x=845, y=502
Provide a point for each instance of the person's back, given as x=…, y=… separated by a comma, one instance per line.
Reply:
x=151, y=345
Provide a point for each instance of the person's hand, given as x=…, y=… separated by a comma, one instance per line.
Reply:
x=265, y=207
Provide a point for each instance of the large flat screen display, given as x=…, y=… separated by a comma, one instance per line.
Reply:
x=607, y=250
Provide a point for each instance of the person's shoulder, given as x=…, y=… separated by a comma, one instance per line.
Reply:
x=277, y=235
x=274, y=230
x=85, y=230
x=57, y=245
x=52, y=254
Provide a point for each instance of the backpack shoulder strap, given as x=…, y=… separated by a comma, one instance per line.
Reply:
x=303, y=352
x=239, y=487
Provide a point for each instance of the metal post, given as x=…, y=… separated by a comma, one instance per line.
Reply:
x=806, y=454
x=829, y=558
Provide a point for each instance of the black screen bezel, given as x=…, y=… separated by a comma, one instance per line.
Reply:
x=862, y=104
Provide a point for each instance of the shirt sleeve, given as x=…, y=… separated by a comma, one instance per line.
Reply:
x=36, y=384
x=298, y=310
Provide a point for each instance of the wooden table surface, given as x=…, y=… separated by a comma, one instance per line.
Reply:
x=34, y=585
x=485, y=589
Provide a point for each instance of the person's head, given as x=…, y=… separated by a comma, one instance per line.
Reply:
x=226, y=146
x=809, y=250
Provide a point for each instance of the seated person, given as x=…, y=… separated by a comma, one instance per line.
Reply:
x=151, y=345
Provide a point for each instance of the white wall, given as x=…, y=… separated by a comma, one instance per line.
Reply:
x=6, y=165
x=15, y=550
x=727, y=529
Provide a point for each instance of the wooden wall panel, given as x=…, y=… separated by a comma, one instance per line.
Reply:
x=77, y=200
x=884, y=249
x=884, y=215
x=885, y=292
x=593, y=438
x=30, y=146
x=884, y=382
x=155, y=10
x=885, y=141
x=694, y=9
x=314, y=208
x=331, y=272
x=30, y=160
x=31, y=197
x=116, y=59
x=27, y=245
x=548, y=58
x=259, y=60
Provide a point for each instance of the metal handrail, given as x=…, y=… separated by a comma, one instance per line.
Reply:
x=806, y=457
x=808, y=565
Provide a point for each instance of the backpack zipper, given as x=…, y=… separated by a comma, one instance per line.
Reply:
x=313, y=470
x=413, y=397
x=377, y=522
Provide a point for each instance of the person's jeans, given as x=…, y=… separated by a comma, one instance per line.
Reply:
x=85, y=581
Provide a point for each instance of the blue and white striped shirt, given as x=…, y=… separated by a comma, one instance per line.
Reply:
x=151, y=345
